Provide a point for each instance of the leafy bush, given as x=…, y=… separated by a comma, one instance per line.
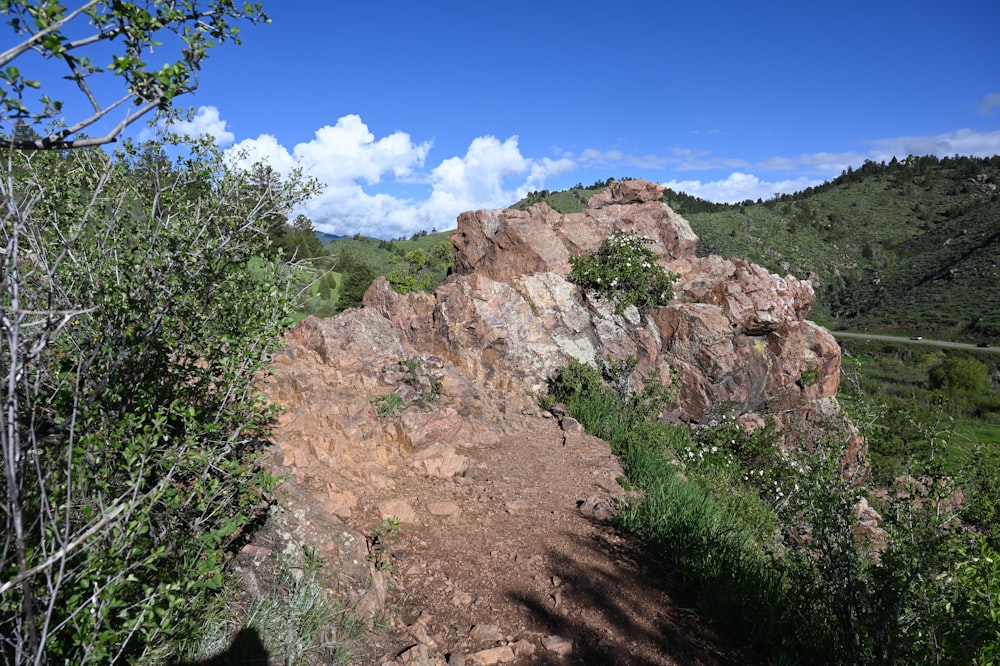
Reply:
x=960, y=374
x=420, y=269
x=133, y=427
x=358, y=276
x=625, y=269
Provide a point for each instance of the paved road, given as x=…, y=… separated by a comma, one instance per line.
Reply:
x=933, y=343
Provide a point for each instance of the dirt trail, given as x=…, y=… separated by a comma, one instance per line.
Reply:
x=516, y=563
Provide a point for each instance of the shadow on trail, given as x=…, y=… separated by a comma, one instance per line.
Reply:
x=246, y=649
x=618, y=608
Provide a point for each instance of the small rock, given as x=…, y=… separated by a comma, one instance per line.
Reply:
x=415, y=656
x=340, y=504
x=398, y=509
x=461, y=599
x=256, y=553
x=597, y=508
x=569, y=424
x=456, y=659
x=491, y=656
x=443, y=508
x=515, y=506
x=561, y=646
x=485, y=633
x=419, y=631
x=523, y=648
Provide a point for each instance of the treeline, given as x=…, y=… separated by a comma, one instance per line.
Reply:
x=914, y=169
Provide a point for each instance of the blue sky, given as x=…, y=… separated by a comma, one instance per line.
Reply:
x=412, y=112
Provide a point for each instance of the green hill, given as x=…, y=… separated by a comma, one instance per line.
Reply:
x=378, y=254
x=909, y=246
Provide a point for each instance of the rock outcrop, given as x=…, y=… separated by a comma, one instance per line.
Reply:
x=423, y=408
x=736, y=338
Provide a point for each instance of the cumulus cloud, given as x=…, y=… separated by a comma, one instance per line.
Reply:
x=739, y=187
x=347, y=158
x=265, y=148
x=205, y=122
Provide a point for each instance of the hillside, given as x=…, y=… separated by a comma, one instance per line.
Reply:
x=909, y=246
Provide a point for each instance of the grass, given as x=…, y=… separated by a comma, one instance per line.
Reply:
x=714, y=541
x=388, y=405
x=290, y=617
x=765, y=542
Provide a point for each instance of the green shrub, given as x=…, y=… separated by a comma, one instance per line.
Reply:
x=625, y=269
x=420, y=269
x=809, y=377
x=136, y=422
x=960, y=374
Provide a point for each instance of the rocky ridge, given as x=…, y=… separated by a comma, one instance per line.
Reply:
x=469, y=452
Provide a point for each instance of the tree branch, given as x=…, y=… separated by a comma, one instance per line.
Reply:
x=65, y=550
x=14, y=52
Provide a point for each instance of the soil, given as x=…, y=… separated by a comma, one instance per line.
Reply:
x=514, y=562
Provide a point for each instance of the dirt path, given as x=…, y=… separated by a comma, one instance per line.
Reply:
x=516, y=563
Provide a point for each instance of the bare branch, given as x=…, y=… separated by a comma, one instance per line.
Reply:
x=65, y=550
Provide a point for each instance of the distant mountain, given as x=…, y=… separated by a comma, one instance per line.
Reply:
x=909, y=246
x=325, y=238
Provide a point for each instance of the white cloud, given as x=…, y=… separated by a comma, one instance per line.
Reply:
x=205, y=122
x=988, y=103
x=383, y=186
x=959, y=142
x=818, y=167
x=347, y=158
x=822, y=164
x=265, y=148
x=348, y=152
x=739, y=187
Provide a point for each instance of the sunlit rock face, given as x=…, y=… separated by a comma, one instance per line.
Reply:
x=735, y=338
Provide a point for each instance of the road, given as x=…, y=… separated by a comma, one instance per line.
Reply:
x=932, y=343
